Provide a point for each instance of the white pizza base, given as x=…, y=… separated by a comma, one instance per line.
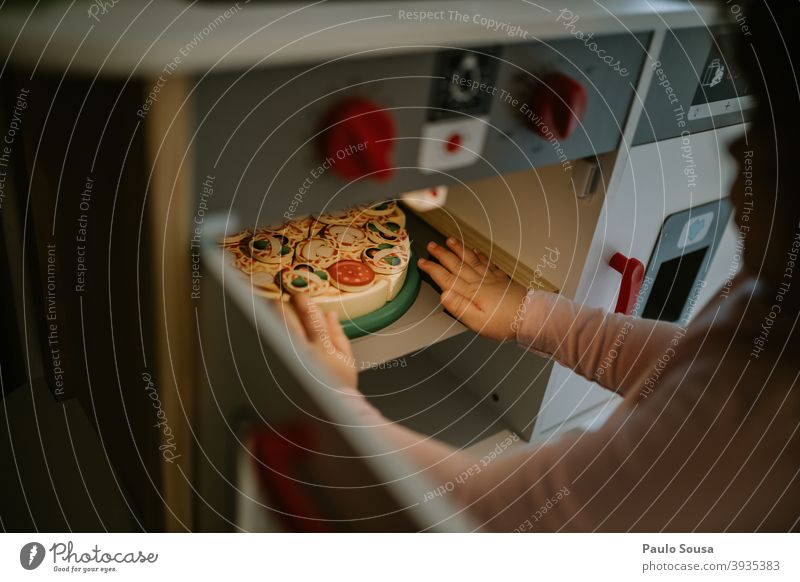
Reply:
x=352, y=305
x=395, y=282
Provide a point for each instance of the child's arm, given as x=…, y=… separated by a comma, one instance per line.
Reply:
x=611, y=349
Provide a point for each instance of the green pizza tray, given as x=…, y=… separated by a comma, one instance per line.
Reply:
x=389, y=313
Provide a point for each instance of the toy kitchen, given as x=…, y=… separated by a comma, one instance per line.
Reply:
x=581, y=146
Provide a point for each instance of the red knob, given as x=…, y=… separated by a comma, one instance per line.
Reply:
x=559, y=104
x=632, y=271
x=453, y=143
x=359, y=140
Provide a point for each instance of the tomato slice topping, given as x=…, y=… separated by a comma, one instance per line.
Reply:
x=350, y=272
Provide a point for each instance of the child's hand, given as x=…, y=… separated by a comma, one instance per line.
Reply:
x=479, y=294
x=325, y=336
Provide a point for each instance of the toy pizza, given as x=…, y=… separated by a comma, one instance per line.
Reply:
x=351, y=261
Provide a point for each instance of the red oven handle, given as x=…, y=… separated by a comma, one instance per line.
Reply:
x=632, y=271
x=278, y=455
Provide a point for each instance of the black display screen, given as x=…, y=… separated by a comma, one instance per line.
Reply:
x=673, y=284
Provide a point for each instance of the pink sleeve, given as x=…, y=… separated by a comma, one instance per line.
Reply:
x=608, y=348
x=608, y=480
x=713, y=449
x=646, y=469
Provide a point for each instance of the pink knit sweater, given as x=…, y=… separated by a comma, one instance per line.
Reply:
x=706, y=438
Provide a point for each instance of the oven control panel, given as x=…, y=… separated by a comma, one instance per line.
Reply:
x=696, y=87
x=297, y=140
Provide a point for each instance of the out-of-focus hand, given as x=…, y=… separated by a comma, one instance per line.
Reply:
x=479, y=294
x=325, y=337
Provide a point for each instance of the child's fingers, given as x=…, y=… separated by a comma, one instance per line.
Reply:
x=467, y=256
x=488, y=266
x=462, y=308
x=292, y=320
x=338, y=337
x=442, y=277
x=453, y=263
x=311, y=318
